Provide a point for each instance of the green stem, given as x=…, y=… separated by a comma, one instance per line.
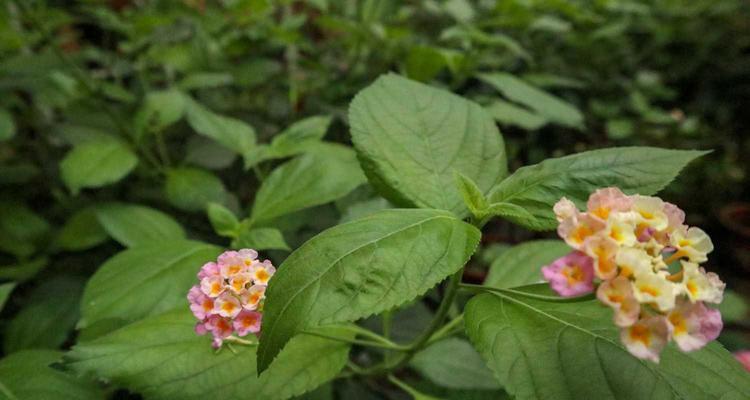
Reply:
x=481, y=289
x=423, y=339
x=244, y=342
x=414, y=393
x=372, y=335
x=448, y=329
x=387, y=324
x=440, y=314
x=355, y=341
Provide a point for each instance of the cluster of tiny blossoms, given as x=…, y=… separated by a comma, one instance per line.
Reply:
x=628, y=244
x=229, y=298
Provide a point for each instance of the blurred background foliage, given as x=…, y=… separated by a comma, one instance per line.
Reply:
x=172, y=105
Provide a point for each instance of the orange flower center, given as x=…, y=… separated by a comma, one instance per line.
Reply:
x=640, y=333
x=601, y=212
x=678, y=322
x=650, y=290
x=574, y=273
x=261, y=275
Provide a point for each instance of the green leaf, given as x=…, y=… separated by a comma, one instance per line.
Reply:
x=161, y=357
x=96, y=164
x=364, y=208
x=223, y=220
x=522, y=264
x=734, y=307
x=410, y=137
x=191, y=189
x=48, y=317
x=260, y=239
x=510, y=114
x=133, y=224
x=206, y=153
x=643, y=170
x=513, y=213
x=23, y=271
x=472, y=195
x=308, y=180
x=81, y=231
x=7, y=125
x=361, y=268
x=620, y=128
x=22, y=231
x=232, y=133
x=552, y=350
x=300, y=136
x=144, y=280
x=541, y=102
x=159, y=110
x=5, y=290
x=453, y=363
x=202, y=80
x=27, y=375
x=423, y=63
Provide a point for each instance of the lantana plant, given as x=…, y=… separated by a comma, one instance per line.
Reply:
x=627, y=310
x=627, y=244
x=229, y=298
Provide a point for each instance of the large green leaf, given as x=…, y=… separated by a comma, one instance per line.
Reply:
x=555, y=350
x=192, y=189
x=411, y=138
x=309, y=180
x=643, y=170
x=95, y=164
x=27, y=375
x=361, y=268
x=144, y=280
x=232, y=133
x=48, y=317
x=132, y=224
x=161, y=357
x=522, y=264
x=453, y=363
x=543, y=103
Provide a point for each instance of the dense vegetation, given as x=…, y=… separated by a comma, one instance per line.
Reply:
x=127, y=127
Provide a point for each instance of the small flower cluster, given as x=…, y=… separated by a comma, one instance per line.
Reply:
x=628, y=244
x=229, y=298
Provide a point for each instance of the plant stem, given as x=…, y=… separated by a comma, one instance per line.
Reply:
x=414, y=393
x=480, y=289
x=356, y=341
x=244, y=342
x=423, y=339
x=448, y=329
x=372, y=335
x=387, y=323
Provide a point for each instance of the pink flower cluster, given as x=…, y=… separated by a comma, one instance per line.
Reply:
x=629, y=245
x=229, y=298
